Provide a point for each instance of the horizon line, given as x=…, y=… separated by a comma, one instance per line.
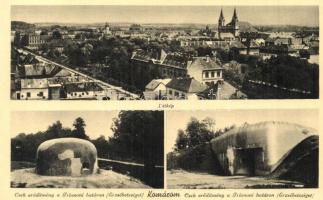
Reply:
x=145, y=23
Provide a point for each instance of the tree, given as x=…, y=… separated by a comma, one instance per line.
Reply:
x=102, y=146
x=139, y=136
x=54, y=131
x=181, y=140
x=44, y=32
x=56, y=34
x=210, y=123
x=196, y=133
x=304, y=54
x=79, y=131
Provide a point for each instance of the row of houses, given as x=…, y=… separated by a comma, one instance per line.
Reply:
x=35, y=80
x=264, y=48
x=189, y=88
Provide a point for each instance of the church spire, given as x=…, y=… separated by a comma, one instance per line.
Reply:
x=235, y=16
x=221, y=19
x=221, y=15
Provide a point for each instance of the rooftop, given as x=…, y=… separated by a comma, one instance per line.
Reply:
x=188, y=85
x=82, y=87
x=34, y=83
x=153, y=84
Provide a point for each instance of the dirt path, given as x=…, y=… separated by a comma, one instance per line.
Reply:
x=106, y=179
x=189, y=180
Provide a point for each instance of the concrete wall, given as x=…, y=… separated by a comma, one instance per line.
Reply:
x=66, y=157
x=266, y=143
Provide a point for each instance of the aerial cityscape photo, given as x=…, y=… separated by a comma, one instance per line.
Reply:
x=164, y=52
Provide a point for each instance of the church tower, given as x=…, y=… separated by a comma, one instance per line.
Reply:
x=234, y=17
x=234, y=23
x=221, y=19
x=221, y=24
x=106, y=29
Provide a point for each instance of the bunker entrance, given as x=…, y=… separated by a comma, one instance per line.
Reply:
x=247, y=161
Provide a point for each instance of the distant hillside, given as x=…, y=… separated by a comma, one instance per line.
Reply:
x=19, y=25
x=246, y=27
x=285, y=28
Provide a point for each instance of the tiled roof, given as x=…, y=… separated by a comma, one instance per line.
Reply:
x=39, y=70
x=176, y=60
x=34, y=83
x=188, y=85
x=82, y=87
x=153, y=84
x=142, y=55
x=207, y=63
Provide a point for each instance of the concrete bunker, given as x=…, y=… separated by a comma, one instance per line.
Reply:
x=260, y=149
x=66, y=157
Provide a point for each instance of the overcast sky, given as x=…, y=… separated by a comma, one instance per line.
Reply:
x=256, y=15
x=223, y=118
x=97, y=122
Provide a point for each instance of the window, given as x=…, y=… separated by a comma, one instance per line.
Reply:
x=28, y=94
x=206, y=74
x=170, y=92
x=212, y=74
x=218, y=74
x=40, y=94
x=176, y=94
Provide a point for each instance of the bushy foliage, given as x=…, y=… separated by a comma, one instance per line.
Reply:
x=24, y=146
x=139, y=136
x=197, y=132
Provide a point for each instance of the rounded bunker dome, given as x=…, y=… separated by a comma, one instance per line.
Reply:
x=66, y=157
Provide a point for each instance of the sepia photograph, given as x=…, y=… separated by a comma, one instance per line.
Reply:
x=124, y=52
x=238, y=149
x=90, y=149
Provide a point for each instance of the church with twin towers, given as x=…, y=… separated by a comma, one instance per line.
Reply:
x=232, y=27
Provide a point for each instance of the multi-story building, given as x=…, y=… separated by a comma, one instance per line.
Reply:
x=34, y=40
x=184, y=88
x=207, y=70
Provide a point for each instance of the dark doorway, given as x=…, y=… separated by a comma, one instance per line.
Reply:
x=247, y=160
